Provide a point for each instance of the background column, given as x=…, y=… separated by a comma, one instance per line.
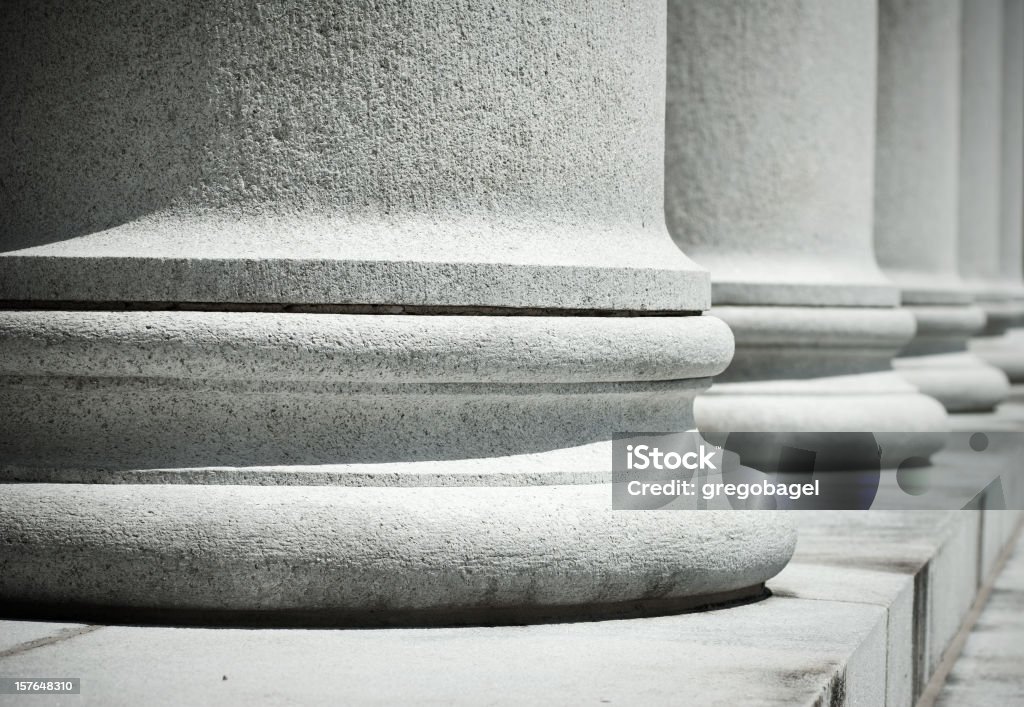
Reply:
x=1007, y=352
x=916, y=182
x=769, y=167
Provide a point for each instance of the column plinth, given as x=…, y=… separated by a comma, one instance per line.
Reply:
x=916, y=182
x=331, y=312
x=774, y=195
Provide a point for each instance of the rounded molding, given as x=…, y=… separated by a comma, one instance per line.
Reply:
x=126, y=391
x=775, y=343
x=371, y=556
x=350, y=348
x=961, y=381
x=1005, y=352
x=822, y=369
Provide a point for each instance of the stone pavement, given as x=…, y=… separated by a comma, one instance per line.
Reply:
x=990, y=670
x=860, y=616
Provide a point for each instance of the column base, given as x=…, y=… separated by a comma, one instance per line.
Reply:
x=938, y=363
x=822, y=369
x=1004, y=352
x=109, y=392
x=373, y=556
x=961, y=381
x=905, y=423
x=354, y=469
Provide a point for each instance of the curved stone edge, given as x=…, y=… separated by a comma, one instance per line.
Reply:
x=1004, y=352
x=375, y=556
x=855, y=327
x=583, y=464
x=947, y=321
x=323, y=281
x=822, y=369
x=789, y=343
x=961, y=381
x=905, y=422
x=1004, y=310
x=751, y=292
x=370, y=349
x=127, y=391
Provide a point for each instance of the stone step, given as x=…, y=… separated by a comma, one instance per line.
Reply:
x=862, y=615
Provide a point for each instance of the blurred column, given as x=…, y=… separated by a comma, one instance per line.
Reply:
x=916, y=181
x=769, y=183
x=1006, y=310
x=335, y=309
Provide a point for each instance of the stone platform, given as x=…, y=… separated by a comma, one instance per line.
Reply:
x=990, y=670
x=863, y=614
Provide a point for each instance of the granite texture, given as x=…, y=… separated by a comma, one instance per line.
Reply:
x=917, y=149
x=764, y=187
x=1011, y=178
x=981, y=164
x=848, y=624
x=256, y=201
x=357, y=556
x=774, y=195
x=822, y=369
x=427, y=154
x=122, y=391
x=989, y=670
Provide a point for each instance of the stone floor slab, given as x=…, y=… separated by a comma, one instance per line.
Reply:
x=990, y=670
x=779, y=651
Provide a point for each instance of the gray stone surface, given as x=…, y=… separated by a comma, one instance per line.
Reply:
x=960, y=380
x=123, y=391
x=981, y=241
x=916, y=182
x=981, y=110
x=780, y=651
x=1011, y=180
x=923, y=566
x=990, y=670
x=1005, y=352
x=429, y=154
x=764, y=187
x=953, y=580
x=264, y=195
x=917, y=148
x=14, y=634
x=848, y=624
x=774, y=196
x=374, y=555
x=821, y=369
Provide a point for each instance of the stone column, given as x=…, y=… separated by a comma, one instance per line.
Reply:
x=769, y=166
x=335, y=307
x=916, y=181
x=1006, y=304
